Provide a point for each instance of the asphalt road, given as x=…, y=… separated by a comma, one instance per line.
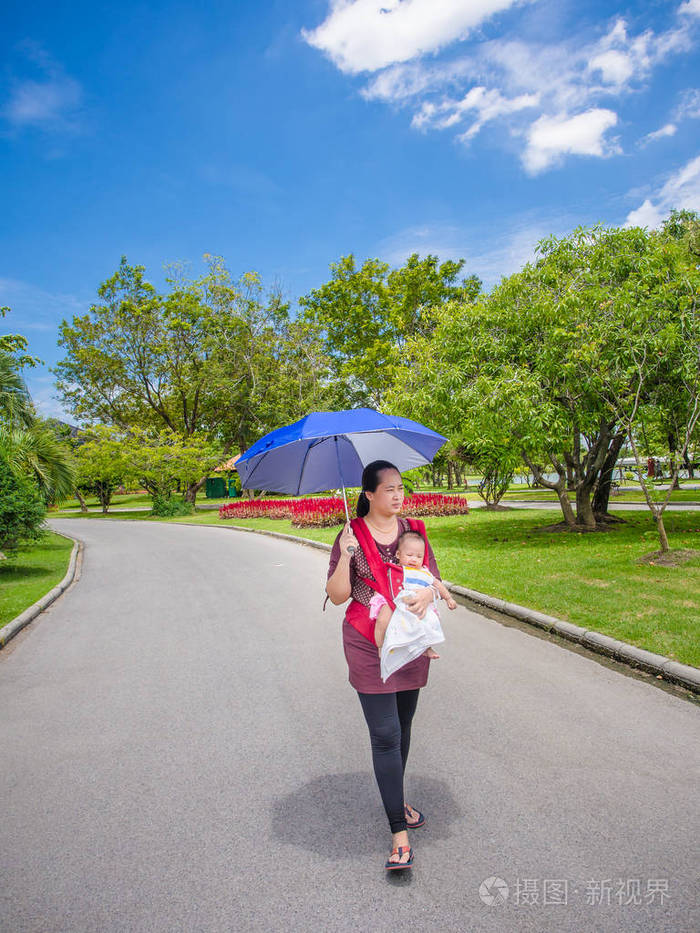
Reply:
x=180, y=751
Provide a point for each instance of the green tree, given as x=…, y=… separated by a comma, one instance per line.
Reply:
x=22, y=509
x=27, y=444
x=212, y=357
x=16, y=407
x=103, y=463
x=16, y=345
x=167, y=461
x=367, y=315
x=652, y=339
x=521, y=368
x=37, y=453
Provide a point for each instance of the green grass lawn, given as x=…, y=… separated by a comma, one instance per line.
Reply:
x=592, y=580
x=35, y=570
x=132, y=498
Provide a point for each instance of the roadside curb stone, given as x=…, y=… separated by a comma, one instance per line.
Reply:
x=683, y=674
x=9, y=631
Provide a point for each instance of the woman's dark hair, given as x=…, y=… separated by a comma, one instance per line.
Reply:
x=370, y=481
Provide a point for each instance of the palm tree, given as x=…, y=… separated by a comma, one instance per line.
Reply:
x=29, y=447
x=36, y=451
x=15, y=402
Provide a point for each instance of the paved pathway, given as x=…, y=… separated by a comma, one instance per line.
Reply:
x=180, y=751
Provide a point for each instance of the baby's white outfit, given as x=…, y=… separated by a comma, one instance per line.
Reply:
x=407, y=636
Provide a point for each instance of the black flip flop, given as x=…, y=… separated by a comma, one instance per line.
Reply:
x=419, y=822
x=395, y=866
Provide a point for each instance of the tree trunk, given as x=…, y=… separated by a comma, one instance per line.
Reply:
x=104, y=495
x=570, y=478
x=193, y=489
x=584, y=510
x=601, y=497
x=659, y=516
x=565, y=504
x=673, y=449
x=559, y=487
x=587, y=470
x=81, y=500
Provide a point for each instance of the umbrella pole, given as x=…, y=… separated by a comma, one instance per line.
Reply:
x=342, y=483
x=345, y=501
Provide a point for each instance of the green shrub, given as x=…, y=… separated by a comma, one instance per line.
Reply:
x=165, y=507
x=22, y=509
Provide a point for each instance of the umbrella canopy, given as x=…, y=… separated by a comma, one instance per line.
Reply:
x=326, y=450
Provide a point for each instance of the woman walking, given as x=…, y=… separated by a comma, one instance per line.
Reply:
x=388, y=707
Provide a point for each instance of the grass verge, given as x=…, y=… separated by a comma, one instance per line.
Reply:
x=28, y=576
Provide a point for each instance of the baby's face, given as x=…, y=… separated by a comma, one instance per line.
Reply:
x=411, y=553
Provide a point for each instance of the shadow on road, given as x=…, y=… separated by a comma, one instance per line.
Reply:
x=340, y=815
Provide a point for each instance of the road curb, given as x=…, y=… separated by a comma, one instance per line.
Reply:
x=657, y=664
x=7, y=632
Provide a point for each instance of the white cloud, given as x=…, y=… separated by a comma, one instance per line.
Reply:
x=646, y=215
x=670, y=129
x=487, y=104
x=689, y=105
x=690, y=8
x=558, y=95
x=366, y=35
x=621, y=59
x=615, y=67
x=681, y=190
x=400, y=83
x=50, y=101
x=551, y=138
x=34, y=103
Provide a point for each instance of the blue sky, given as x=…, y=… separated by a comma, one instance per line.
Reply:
x=282, y=136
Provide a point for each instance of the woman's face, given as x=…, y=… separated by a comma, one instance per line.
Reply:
x=387, y=499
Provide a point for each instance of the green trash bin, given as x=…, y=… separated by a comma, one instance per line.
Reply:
x=215, y=488
x=232, y=489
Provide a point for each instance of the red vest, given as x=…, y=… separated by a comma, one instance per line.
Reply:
x=387, y=577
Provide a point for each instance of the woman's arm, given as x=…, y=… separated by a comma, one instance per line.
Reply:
x=338, y=584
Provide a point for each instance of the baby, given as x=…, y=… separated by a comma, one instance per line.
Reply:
x=410, y=553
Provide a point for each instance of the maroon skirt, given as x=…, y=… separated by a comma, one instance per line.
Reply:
x=364, y=669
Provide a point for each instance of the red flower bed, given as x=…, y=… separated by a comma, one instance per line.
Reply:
x=433, y=503
x=322, y=513
x=256, y=508
x=330, y=511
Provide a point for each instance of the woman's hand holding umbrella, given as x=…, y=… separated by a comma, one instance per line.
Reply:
x=348, y=542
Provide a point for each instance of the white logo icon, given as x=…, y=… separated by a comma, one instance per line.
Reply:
x=493, y=891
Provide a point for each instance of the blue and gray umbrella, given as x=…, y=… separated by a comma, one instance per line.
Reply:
x=329, y=450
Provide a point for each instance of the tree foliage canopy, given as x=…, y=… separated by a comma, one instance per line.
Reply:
x=367, y=315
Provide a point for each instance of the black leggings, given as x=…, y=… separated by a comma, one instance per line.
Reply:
x=389, y=718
